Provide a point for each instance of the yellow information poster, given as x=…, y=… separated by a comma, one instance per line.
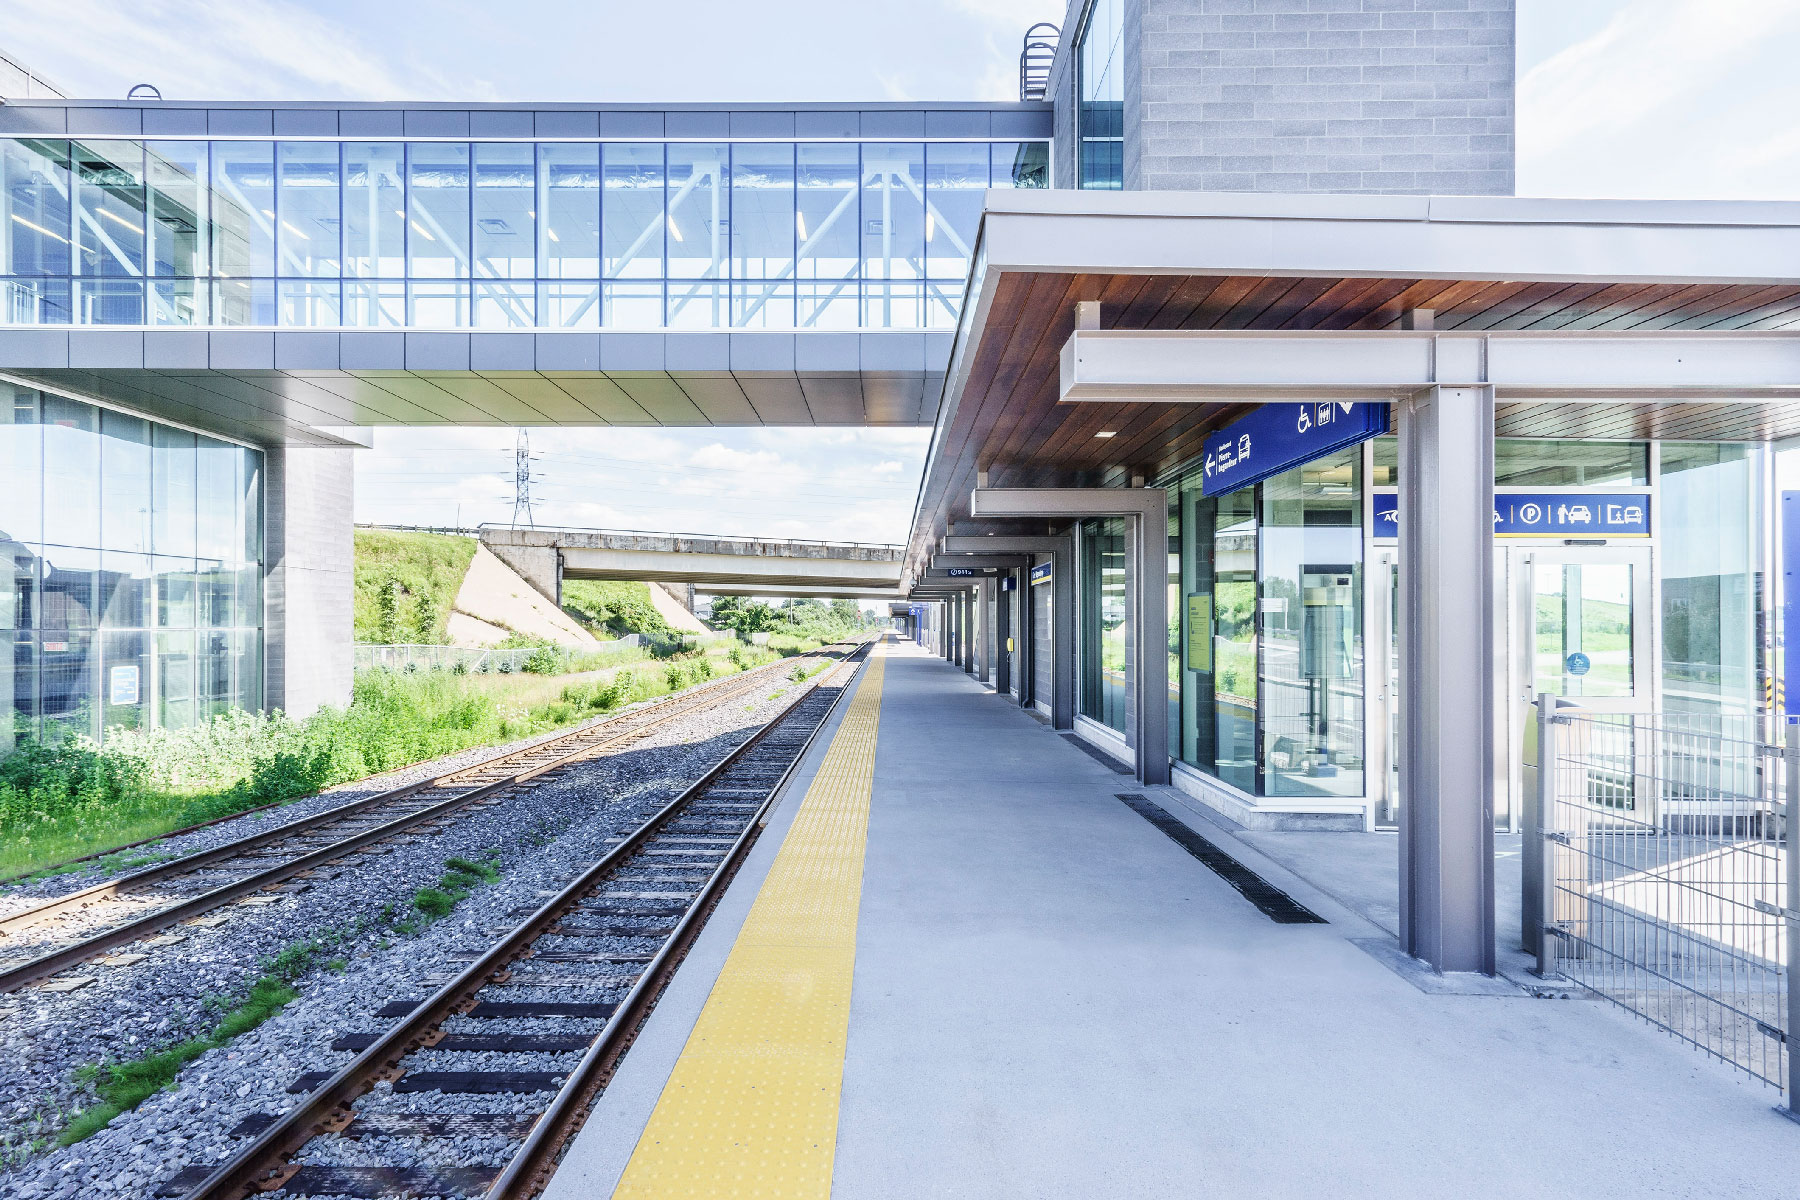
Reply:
x=1199, y=631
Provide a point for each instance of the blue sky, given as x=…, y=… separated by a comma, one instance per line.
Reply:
x=1632, y=98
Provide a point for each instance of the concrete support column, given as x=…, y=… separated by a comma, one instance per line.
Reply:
x=1447, y=665
x=308, y=588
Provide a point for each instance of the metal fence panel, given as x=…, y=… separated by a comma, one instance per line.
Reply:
x=1666, y=876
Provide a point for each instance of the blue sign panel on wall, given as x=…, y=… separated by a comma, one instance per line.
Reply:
x=1545, y=514
x=1278, y=437
x=961, y=572
x=1009, y=583
x=1040, y=574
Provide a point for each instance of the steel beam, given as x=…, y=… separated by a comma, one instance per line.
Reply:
x=1139, y=366
x=1146, y=511
x=1447, y=678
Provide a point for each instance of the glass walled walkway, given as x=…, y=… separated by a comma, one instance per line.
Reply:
x=496, y=235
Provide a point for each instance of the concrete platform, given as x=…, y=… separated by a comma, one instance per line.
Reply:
x=1053, y=999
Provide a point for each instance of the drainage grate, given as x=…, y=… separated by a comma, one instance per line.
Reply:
x=1270, y=900
x=1094, y=752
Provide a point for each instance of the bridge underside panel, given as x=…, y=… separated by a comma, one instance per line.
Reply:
x=711, y=571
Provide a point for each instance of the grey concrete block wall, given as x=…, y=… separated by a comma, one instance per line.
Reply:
x=309, y=586
x=1340, y=96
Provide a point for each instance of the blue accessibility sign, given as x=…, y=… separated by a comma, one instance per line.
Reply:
x=1544, y=514
x=1273, y=438
x=1577, y=664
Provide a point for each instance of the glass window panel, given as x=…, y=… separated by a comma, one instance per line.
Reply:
x=943, y=303
x=243, y=210
x=1021, y=165
x=376, y=304
x=1220, y=716
x=894, y=305
x=1105, y=623
x=245, y=302
x=18, y=591
x=174, y=492
x=178, y=194
x=1711, y=522
x=247, y=598
x=1311, y=610
x=437, y=186
x=509, y=305
x=698, y=305
x=1583, y=608
x=71, y=472
x=109, y=301
x=21, y=462
x=631, y=211
x=827, y=220
x=69, y=590
x=35, y=302
x=956, y=180
x=574, y=305
x=246, y=646
x=1385, y=471
x=176, y=606
x=250, y=494
x=632, y=305
x=178, y=301
x=37, y=191
x=699, y=213
x=18, y=689
x=1100, y=106
x=124, y=482
x=174, y=673
x=109, y=207
x=763, y=304
x=506, y=211
x=374, y=211
x=124, y=590
x=835, y=305
x=308, y=229
x=764, y=228
x=215, y=585
x=893, y=211
x=216, y=472
x=125, y=685
x=438, y=305
x=213, y=667
x=569, y=193
x=1532, y=462
x=66, y=685
x=310, y=302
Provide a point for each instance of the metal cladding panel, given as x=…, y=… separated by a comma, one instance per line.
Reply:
x=893, y=399
x=306, y=122
x=543, y=396
x=833, y=352
x=102, y=348
x=488, y=396
x=603, y=398
x=437, y=351
x=563, y=124
x=1021, y=124
x=240, y=122
x=762, y=124
x=631, y=124
x=436, y=122
x=632, y=352
x=371, y=123
x=722, y=400
x=453, y=409
x=32, y=120
x=299, y=349
x=826, y=123
x=775, y=400
x=370, y=351
x=959, y=124
x=106, y=122
x=26, y=349
x=578, y=352
x=683, y=124
x=365, y=401
x=762, y=352
x=506, y=123
x=291, y=393
x=669, y=404
x=177, y=348
x=903, y=123
x=696, y=352
x=833, y=398
x=241, y=349
x=503, y=352
x=263, y=389
x=175, y=122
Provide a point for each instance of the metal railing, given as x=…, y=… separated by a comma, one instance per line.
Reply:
x=1666, y=881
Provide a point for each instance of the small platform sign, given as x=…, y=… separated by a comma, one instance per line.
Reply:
x=961, y=572
x=122, y=685
x=1278, y=437
x=1577, y=664
x=1040, y=573
x=1543, y=514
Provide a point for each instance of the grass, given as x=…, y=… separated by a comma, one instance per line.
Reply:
x=460, y=878
x=609, y=607
x=406, y=584
x=63, y=801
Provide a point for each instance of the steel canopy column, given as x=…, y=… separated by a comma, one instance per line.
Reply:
x=1447, y=665
x=984, y=645
x=1002, y=631
x=1061, y=552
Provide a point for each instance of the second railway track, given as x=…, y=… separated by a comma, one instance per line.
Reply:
x=41, y=941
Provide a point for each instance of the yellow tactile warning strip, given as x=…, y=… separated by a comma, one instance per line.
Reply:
x=751, y=1109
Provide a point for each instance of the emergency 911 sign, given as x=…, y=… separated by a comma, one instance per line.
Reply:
x=1278, y=437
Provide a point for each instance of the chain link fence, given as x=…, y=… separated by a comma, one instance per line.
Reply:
x=1666, y=876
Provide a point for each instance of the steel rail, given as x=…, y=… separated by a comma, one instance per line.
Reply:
x=262, y=1165
x=60, y=959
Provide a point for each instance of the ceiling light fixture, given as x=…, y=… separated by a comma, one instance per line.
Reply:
x=1107, y=433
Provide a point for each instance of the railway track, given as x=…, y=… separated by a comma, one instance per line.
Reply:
x=566, y=990
x=138, y=906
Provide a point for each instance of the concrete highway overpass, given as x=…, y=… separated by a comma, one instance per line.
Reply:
x=717, y=565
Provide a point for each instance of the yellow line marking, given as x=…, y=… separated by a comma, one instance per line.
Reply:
x=751, y=1109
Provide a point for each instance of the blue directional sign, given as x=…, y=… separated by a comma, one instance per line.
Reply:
x=1040, y=574
x=1545, y=514
x=1274, y=438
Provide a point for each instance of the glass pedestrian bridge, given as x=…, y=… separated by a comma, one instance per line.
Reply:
x=466, y=234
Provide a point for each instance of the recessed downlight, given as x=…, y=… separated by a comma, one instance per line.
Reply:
x=1107, y=433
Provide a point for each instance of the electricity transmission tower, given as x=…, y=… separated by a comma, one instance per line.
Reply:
x=522, y=480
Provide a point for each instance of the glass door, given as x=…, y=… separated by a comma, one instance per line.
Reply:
x=1384, y=684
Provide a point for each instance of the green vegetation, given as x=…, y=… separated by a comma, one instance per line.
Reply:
x=122, y=1086
x=802, y=624
x=461, y=877
x=59, y=801
x=607, y=608
x=406, y=584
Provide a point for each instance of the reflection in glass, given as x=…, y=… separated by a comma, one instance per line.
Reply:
x=1709, y=564
x=1582, y=614
x=243, y=211
x=308, y=233
x=175, y=679
x=437, y=189
x=1100, y=104
x=177, y=174
x=124, y=482
x=826, y=222
x=1536, y=462
x=109, y=207
x=21, y=460
x=34, y=178
x=764, y=233
x=893, y=211
x=631, y=211
x=174, y=492
x=374, y=217
x=1105, y=623
x=569, y=235
x=71, y=472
